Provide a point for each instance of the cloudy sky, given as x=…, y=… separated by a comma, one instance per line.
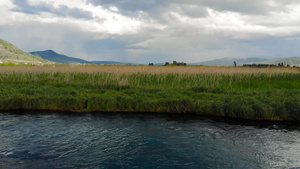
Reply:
x=156, y=31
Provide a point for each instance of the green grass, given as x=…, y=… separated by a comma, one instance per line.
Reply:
x=246, y=96
x=12, y=53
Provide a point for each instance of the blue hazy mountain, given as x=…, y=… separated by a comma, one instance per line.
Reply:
x=59, y=58
x=229, y=61
x=251, y=60
x=111, y=63
x=293, y=61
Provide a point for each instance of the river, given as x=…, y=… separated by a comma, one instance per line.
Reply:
x=90, y=140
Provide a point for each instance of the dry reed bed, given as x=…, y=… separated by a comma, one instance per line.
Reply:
x=128, y=69
x=241, y=92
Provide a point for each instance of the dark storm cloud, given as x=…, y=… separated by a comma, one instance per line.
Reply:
x=253, y=7
x=249, y=7
x=194, y=8
x=129, y=6
x=155, y=9
x=193, y=11
x=24, y=7
x=73, y=12
x=146, y=31
x=63, y=11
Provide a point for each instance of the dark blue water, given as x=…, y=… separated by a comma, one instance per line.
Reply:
x=60, y=140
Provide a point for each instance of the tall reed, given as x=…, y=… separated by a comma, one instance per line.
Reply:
x=220, y=91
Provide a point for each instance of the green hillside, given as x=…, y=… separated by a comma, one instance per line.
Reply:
x=11, y=54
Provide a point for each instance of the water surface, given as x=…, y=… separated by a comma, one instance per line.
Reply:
x=66, y=140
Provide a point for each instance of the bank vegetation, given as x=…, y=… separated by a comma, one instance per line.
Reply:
x=237, y=92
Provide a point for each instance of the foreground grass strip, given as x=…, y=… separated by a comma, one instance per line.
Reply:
x=267, y=96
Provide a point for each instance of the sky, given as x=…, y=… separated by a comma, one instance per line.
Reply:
x=155, y=31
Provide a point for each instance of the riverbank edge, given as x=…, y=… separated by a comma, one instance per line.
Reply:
x=274, y=97
x=270, y=124
x=229, y=107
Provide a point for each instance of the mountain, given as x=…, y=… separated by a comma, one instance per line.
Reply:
x=59, y=58
x=293, y=61
x=111, y=63
x=12, y=54
x=229, y=61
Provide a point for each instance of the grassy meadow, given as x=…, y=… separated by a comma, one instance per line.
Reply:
x=247, y=93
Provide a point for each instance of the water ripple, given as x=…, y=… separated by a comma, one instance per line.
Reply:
x=117, y=141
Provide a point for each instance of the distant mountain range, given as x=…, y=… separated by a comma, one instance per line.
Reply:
x=229, y=61
x=290, y=60
x=59, y=58
x=11, y=54
x=240, y=61
x=111, y=63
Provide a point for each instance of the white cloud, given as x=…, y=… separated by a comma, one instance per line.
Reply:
x=56, y=3
x=232, y=23
x=5, y=6
x=191, y=29
x=103, y=21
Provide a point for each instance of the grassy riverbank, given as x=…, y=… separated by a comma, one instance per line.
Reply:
x=248, y=93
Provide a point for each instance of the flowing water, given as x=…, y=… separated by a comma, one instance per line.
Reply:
x=66, y=140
